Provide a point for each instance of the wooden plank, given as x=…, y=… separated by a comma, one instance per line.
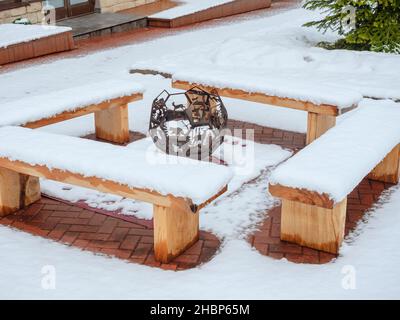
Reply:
x=83, y=111
x=312, y=226
x=265, y=99
x=88, y=182
x=17, y=191
x=302, y=195
x=176, y=228
x=112, y=124
x=388, y=170
x=318, y=124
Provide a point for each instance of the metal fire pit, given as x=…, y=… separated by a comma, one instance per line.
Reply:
x=189, y=124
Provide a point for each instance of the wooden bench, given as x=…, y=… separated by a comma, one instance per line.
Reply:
x=323, y=103
x=314, y=183
x=31, y=41
x=178, y=191
x=108, y=100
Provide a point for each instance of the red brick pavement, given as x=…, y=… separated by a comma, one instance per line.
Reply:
x=97, y=232
x=131, y=239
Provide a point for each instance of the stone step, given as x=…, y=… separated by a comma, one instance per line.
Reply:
x=100, y=24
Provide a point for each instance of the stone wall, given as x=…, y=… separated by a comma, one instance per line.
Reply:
x=118, y=5
x=32, y=11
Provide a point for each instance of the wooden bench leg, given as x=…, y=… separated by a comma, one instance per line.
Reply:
x=17, y=191
x=388, y=170
x=318, y=124
x=312, y=226
x=112, y=124
x=176, y=228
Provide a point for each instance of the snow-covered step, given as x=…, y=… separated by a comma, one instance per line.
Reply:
x=314, y=183
x=178, y=189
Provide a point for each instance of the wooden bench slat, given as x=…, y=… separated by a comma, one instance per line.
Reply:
x=302, y=195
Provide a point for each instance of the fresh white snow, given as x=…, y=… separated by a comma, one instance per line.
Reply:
x=265, y=42
x=269, y=83
x=336, y=162
x=181, y=177
x=187, y=7
x=281, y=56
x=11, y=33
x=35, y=107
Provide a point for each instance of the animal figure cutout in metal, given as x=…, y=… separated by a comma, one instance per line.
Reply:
x=189, y=124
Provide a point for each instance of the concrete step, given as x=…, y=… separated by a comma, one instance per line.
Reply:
x=100, y=24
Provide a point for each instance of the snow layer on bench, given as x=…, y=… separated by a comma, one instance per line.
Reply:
x=188, y=7
x=37, y=107
x=337, y=162
x=181, y=177
x=16, y=33
x=270, y=84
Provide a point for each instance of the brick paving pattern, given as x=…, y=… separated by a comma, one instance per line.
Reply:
x=88, y=230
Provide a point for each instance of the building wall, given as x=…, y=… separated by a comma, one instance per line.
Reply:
x=118, y=5
x=33, y=12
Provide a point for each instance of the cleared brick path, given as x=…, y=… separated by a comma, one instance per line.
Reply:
x=101, y=233
x=131, y=239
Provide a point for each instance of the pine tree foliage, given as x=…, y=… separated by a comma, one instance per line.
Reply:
x=363, y=24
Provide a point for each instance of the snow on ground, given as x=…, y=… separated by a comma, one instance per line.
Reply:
x=187, y=7
x=236, y=271
x=281, y=58
x=11, y=33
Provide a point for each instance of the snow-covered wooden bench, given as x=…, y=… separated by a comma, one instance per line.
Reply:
x=108, y=100
x=20, y=42
x=177, y=190
x=314, y=183
x=322, y=102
